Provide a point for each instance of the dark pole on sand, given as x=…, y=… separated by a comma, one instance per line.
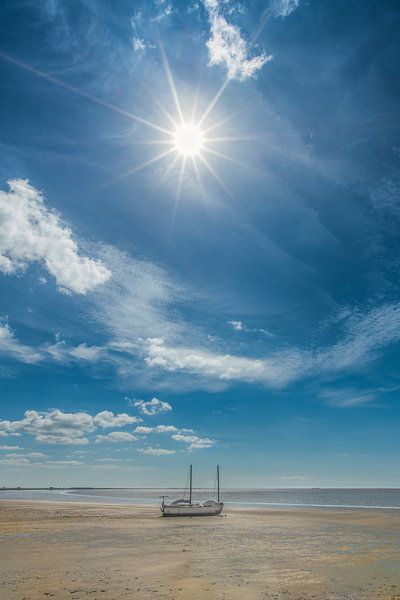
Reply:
x=190, y=486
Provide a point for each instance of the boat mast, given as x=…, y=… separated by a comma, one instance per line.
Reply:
x=190, y=485
x=218, y=483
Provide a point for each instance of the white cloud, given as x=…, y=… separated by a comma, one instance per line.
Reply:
x=138, y=44
x=363, y=336
x=116, y=437
x=26, y=455
x=62, y=463
x=14, y=461
x=194, y=442
x=52, y=427
x=237, y=325
x=186, y=436
x=283, y=8
x=144, y=430
x=106, y=419
x=227, y=47
x=57, y=427
x=347, y=397
x=141, y=294
x=152, y=407
x=10, y=346
x=155, y=451
x=277, y=370
x=61, y=352
x=29, y=232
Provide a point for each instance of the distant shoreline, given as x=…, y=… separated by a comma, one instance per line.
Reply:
x=56, y=488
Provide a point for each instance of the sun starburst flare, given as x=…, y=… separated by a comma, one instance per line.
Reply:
x=189, y=140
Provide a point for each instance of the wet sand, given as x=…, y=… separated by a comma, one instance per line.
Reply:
x=107, y=552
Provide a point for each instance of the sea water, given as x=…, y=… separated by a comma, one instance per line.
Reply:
x=257, y=498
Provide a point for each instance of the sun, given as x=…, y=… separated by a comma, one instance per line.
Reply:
x=189, y=139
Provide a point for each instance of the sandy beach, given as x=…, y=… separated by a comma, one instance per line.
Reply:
x=103, y=552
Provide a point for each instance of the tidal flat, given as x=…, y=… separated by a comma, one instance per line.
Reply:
x=109, y=552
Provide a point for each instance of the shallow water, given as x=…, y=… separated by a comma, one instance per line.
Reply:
x=257, y=498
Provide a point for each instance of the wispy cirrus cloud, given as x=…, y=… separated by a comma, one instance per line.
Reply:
x=228, y=48
x=277, y=370
x=363, y=336
x=145, y=296
x=10, y=346
x=283, y=8
x=240, y=326
x=30, y=232
x=347, y=397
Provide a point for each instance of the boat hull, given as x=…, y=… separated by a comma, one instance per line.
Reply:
x=191, y=511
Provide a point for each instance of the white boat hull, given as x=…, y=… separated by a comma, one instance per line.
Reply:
x=194, y=510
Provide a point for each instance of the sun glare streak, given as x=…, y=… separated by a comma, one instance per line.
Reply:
x=225, y=157
x=214, y=102
x=166, y=113
x=223, y=121
x=197, y=172
x=171, y=83
x=151, y=161
x=185, y=138
x=82, y=93
x=214, y=174
x=181, y=175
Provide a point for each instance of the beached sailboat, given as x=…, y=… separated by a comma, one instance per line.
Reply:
x=188, y=508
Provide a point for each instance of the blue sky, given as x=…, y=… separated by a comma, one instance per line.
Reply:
x=239, y=306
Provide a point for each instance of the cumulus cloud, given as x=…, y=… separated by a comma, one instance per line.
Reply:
x=155, y=451
x=144, y=430
x=106, y=419
x=228, y=48
x=52, y=427
x=186, y=436
x=62, y=463
x=194, y=442
x=116, y=437
x=30, y=232
x=57, y=427
x=152, y=407
x=15, y=461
